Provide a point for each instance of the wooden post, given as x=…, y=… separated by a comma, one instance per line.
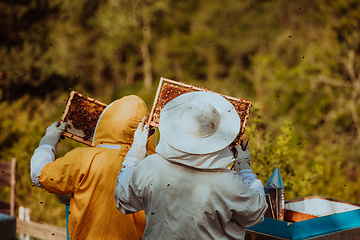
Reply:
x=13, y=187
x=24, y=215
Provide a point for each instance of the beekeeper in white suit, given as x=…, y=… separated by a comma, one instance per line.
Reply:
x=186, y=190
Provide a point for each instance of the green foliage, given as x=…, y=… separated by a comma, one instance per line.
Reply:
x=319, y=92
x=269, y=153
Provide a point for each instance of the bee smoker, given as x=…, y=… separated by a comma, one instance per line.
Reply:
x=275, y=196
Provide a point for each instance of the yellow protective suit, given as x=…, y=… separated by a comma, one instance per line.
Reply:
x=90, y=173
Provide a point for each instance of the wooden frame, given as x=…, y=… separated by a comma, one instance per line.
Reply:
x=81, y=121
x=40, y=230
x=169, y=87
x=295, y=216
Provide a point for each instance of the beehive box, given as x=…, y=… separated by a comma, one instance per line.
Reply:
x=313, y=217
x=7, y=227
x=81, y=115
x=170, y=89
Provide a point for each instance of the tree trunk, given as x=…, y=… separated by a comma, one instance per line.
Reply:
x=145, y=54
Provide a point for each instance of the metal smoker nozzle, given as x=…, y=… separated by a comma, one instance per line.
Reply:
x=275, y=180
x=275, y=196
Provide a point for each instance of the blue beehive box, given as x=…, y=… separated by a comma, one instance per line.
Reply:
x=313, y=217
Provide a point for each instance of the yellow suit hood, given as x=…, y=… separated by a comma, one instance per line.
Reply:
x=119, y=121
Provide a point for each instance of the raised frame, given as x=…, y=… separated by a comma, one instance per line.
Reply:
x=81, y=115
x=169, y=89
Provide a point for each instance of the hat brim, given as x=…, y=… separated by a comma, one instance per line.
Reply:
x=170, y=130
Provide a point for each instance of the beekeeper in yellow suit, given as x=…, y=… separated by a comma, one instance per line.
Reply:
x=90, y=173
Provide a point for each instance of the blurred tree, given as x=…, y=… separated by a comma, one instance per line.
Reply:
x=24, y=66
x=128, y=28
x=315, y=85
x=344, y=19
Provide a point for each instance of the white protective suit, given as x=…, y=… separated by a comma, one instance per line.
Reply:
x=188, y=196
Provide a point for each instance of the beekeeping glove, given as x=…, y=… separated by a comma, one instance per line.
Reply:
x=242, y=167
x=45, y=153
x=53, y=134
x=138, y=149
x=242, y=160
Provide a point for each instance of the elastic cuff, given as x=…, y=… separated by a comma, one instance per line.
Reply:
x=245, y=171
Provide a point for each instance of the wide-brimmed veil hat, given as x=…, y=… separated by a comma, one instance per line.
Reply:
x=199, y=122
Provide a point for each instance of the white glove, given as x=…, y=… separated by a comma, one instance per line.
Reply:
x=139, y=147
x=53, y=134
x=242, y=160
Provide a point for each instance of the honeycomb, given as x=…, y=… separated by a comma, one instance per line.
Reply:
x=81, y=115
